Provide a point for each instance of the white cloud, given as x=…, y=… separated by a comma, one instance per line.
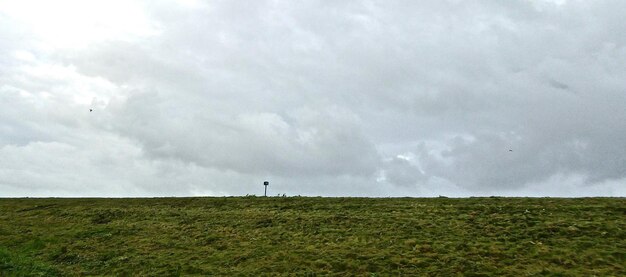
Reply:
x=370, y=98
x=73, y=23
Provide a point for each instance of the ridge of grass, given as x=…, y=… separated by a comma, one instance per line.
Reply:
x=313, y=236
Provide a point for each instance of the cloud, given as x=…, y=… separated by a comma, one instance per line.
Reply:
x=401, y=172
x=302, y=142
x=371, y=98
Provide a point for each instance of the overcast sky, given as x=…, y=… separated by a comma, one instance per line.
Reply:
x=331, y=98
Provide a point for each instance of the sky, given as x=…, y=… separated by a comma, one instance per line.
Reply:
x=321, y=98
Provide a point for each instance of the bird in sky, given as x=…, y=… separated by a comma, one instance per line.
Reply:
x=90, y=110
x=510, y=150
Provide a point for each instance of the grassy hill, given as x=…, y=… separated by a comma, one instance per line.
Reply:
x=313, y=236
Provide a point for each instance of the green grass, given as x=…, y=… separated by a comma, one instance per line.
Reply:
x=313, y=236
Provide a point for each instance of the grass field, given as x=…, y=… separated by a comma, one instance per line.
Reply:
x=313, y=236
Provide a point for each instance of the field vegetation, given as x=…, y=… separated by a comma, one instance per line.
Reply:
x=256, y=236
